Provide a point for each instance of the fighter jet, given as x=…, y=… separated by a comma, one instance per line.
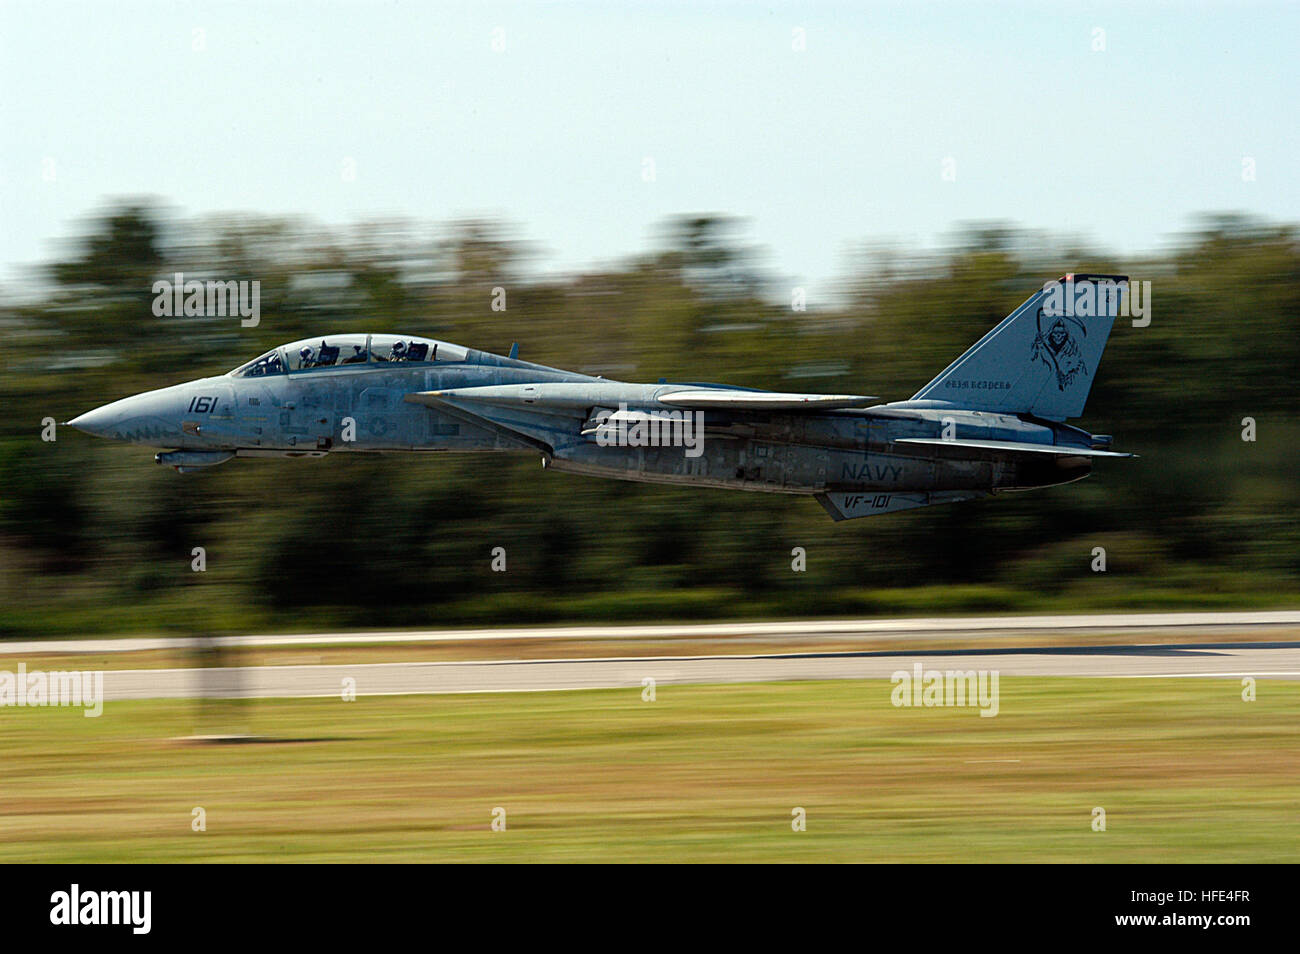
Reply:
x=992, y=422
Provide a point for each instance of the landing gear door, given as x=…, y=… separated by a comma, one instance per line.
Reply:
x=307, y=416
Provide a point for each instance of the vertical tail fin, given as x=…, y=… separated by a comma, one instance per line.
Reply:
x=1041, y=358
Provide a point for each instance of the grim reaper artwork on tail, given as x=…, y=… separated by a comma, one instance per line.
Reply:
x=1059, y=349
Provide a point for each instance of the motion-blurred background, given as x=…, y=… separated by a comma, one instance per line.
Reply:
x=96, y=537
x=914, y=175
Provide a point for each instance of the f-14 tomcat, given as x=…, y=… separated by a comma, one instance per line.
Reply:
x=991, y=422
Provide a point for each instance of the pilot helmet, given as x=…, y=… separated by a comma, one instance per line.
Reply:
x=306, y=354
x=399, y=347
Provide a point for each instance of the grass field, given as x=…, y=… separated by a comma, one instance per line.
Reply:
x=1185, y=770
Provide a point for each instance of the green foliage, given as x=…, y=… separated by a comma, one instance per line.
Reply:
x=94, y=538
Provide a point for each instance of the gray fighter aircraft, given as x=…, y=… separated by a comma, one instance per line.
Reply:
x=991, y=422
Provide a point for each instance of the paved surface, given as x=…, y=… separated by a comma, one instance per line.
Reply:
x=971, y=626
x=1280, y=660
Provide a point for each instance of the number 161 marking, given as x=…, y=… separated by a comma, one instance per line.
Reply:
x=203, y=405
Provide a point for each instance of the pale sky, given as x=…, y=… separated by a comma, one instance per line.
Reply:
x=264, y=107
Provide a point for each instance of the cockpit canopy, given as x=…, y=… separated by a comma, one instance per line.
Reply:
x=336, y=351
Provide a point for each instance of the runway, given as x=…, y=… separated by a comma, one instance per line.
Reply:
x=967, y=627
x=1261, y=660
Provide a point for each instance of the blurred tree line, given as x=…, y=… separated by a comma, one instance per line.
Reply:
x=95, y=538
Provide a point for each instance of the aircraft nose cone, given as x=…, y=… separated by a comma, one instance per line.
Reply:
x=97, y=422
x=151, y=418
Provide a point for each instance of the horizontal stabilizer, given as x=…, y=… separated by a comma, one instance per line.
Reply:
x=846, y=506
x=725, y=399
x=1013, y=447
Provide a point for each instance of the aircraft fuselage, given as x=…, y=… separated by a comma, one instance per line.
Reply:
x=975, y=430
